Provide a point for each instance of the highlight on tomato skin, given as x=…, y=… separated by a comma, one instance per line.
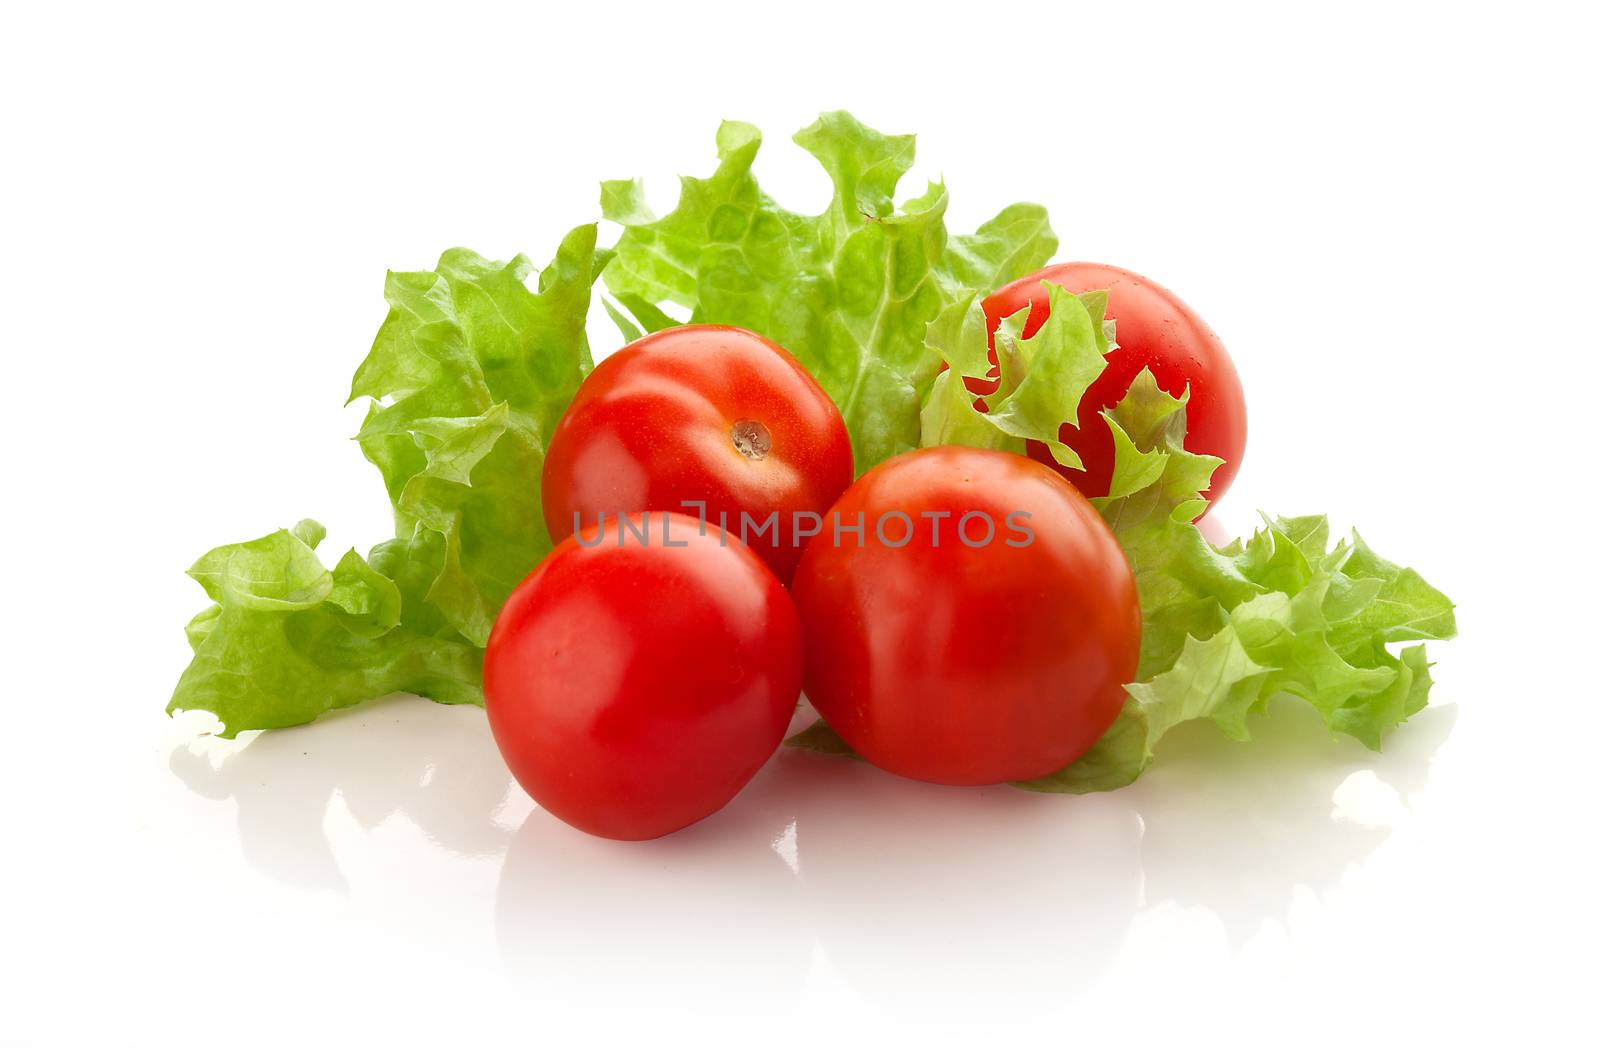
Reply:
x=699, y=419
x=1155, y=330
x=960, y=661
x=635, y=685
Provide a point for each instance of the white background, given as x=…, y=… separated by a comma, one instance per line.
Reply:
x=1387, y=212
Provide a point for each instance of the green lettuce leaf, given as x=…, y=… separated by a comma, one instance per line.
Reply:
x=1228, y=630
x=1041, y=379
x=850, y=291
x=467, y=378
x=288, y=640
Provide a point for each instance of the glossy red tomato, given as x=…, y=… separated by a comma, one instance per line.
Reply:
x=1155, y=330
x=635, y=685
x=992, y=643
x=701, y=413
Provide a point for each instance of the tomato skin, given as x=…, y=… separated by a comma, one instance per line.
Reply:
x=964, y=665
x=652, y=428
x=1155, y=330
x=633, y=689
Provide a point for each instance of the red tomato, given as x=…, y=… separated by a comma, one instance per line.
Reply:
x=700, y=413
x=634, y=686
x=1155, y=330
x=962, y=661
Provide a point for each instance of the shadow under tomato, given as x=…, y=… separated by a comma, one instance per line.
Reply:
x=826, y=868
x=692, y=924
x=932, y=897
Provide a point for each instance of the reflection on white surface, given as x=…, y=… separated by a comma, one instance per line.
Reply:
x=831, y=869
x=1237, y=829
x=889, y=877
x=435, y=765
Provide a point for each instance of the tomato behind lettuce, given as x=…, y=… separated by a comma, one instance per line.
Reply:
x=1155, y=330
